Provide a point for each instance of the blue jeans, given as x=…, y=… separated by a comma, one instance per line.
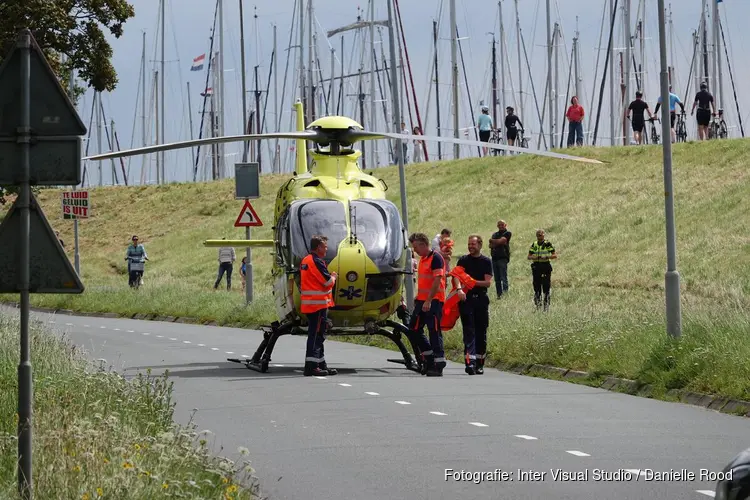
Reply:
x=576, y=129
x=500, y=268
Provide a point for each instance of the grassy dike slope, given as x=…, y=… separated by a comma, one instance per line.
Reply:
x=606, y=221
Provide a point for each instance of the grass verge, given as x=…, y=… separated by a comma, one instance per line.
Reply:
x=606, y=221
x=98, y=435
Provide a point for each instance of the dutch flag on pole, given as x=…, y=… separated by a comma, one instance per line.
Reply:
x=198, y=63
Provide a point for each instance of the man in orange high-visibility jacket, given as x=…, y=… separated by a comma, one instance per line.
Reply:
x=428, y=306
x=316, y=296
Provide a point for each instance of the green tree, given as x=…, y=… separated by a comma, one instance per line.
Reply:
x=70, y=28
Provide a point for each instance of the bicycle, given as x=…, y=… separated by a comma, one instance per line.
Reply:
x=718, y=129
x=654, y=137
x=496, y=138
x=680, y=129
x=521, y=141
x=137, y=266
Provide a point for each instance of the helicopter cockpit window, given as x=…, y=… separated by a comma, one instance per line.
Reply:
x=377, y=224
x=308, y=218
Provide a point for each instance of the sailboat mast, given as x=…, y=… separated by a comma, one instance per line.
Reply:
x=276, y=166
x=373, y=116
x=494, y=83
x=437, y=84
x=575, y=61
x=221, y=89
x=628, y=63
x=454, y=75
x=519, y=105
x=310, y=61
x=549, y=73
x=671, y=48
x=502, y=59
x=553, y=110
x=719, y=90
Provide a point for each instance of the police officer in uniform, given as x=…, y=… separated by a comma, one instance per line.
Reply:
x=316, y=297
x=475, y=305
x=428, y=306
x=540, y=254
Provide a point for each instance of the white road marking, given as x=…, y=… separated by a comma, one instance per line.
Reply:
x=708, y=493
x=320, y=378
x=171, y=338
x=214, y=348
x=438, y=413
x=479, y=424
x=85, y=326
x=230, y=352
x=403, y=402
x=131, y=331
x=371, y=393
x=578, y=453
x=271, y=365
x=245, y=356
x=524, y=436
x=298, y=371
x=159, y=336
x=68, y=324
x=52, y=321
x=145, y=333
x=186, y=342
x=116, y=329
x=201, y=345
x=102, y=327
x=345, y=385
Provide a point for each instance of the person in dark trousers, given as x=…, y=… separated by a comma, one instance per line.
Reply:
x=475, y=306
x=316, y=297
x=428, y=306
x=540, y=254
x=575, y=116
x=511, y=131
x=638, y=122
x=706, y=108
x=500, y=251
x=227, y=257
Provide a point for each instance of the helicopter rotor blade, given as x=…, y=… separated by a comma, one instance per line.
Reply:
x=362, y=135
x=309, y=135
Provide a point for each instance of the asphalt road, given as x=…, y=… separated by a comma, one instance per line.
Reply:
x=378, y=431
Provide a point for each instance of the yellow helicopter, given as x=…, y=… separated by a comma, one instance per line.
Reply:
x=367, y=240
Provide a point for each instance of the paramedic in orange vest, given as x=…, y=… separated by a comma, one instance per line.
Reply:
x=316, y=296
x=428, y=305
x=475, y=306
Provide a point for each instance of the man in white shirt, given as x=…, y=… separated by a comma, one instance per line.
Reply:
x=226, y=261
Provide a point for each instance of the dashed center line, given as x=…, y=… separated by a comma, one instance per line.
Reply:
x=320, y=378
x=345, y=385
x=214, y=348
x=103, y=327
x=369, y=393
x=159, y=336
x=229, y=352
x=438, y=413
x=145, y=333
x=131, y=331
x=708, y=493
x=116, y=329
x=273, y=365
x=524, y=436
x=170, y=338
x=201, y=345
x=68, y=324
x=479, y=424
x=85, y=326
x=403, y=402
x=186, y=342
x=578, y=453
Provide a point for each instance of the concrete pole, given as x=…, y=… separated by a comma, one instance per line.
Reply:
x=408, y=282
x=672, y=277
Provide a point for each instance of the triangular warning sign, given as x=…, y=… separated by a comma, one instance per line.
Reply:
x=248, y=217
x=50, y=269
x=52, y=112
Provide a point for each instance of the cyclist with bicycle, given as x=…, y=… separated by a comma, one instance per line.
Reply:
x=674, y=100
x=638, y=121
x=485, y=125
x=706, y=109
x=511, y=131
x=135, y=256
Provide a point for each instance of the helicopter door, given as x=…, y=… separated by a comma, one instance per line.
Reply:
x=352, y=266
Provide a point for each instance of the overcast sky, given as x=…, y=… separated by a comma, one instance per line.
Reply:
x=188, y=27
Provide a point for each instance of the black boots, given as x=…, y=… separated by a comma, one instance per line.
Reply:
x=318, y=370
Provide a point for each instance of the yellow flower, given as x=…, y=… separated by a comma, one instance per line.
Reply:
x=77, y=468
x=85, y=496
x=106, y=460
x=100, y=492
x=146, y=473
x=137, y=446
x=224, y=480
x=232, y=488
x=127, y=465
x=165, y=486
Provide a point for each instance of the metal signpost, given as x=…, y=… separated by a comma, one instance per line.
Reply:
x=247, y=187
x=40, y=144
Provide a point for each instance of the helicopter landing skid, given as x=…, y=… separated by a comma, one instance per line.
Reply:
x=415, y=364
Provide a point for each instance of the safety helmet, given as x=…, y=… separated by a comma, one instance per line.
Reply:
x=735, y=485
x=485, y=108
